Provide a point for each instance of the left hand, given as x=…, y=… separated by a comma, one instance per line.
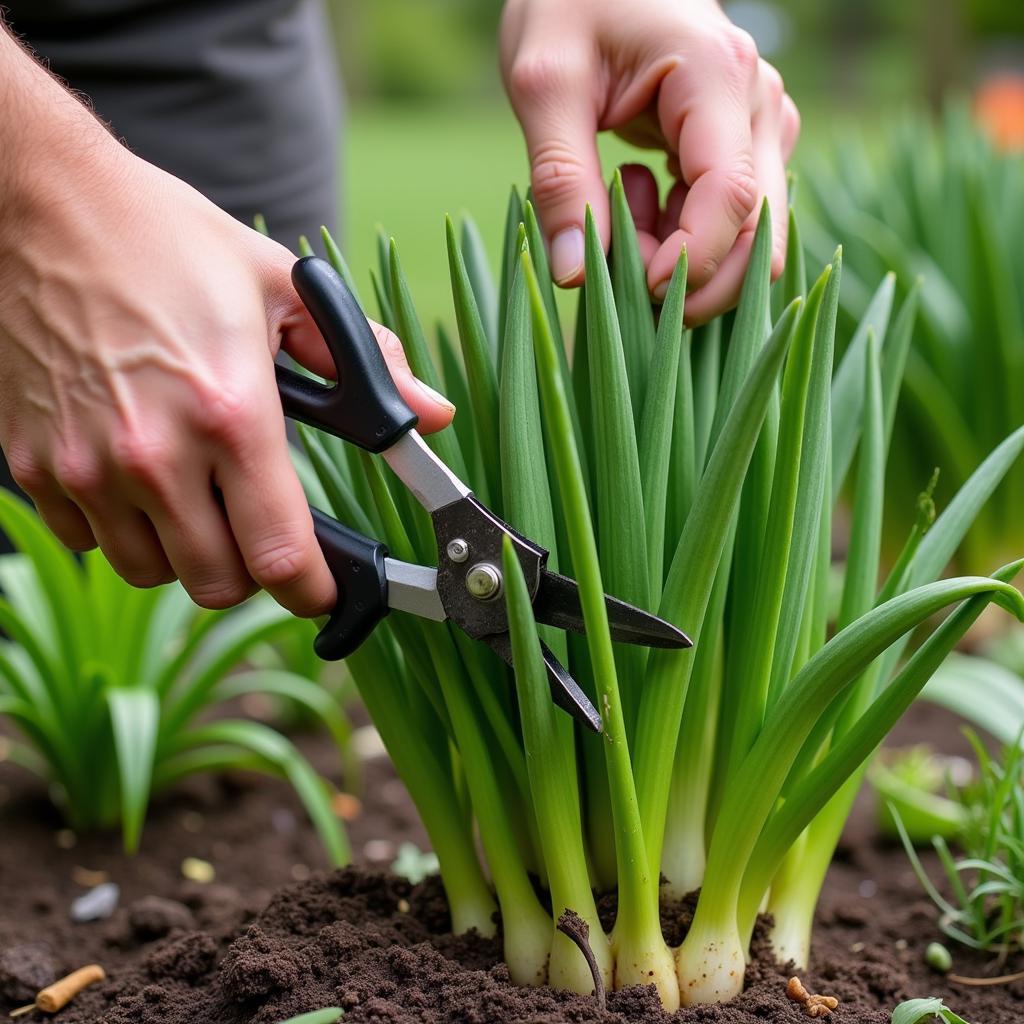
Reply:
x=679, y=77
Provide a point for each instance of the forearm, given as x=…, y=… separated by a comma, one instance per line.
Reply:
x=47, y=135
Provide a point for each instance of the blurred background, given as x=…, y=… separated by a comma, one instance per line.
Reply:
x=429, y=131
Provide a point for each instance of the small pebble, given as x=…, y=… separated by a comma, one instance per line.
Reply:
x=901, y=944
x=197, y=870
x=97, y=904
x=379, y=850
x=403, y=906
x=867, y=888
x=367, y=744
x=938, y=958
x=87, y=877
x=65, y=838
x=857, y=947
x=283, y=821
x=192, y=821
x=300, y=872
x=346, y=806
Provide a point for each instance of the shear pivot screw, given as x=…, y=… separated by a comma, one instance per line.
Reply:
x=483, y=581
x=458, y=550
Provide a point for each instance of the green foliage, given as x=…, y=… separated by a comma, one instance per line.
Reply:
x=986, y=908
x=108, y=685
x=935, y=203
x=913, y=1011
x=695, y=473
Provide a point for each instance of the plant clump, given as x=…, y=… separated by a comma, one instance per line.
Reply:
x=690, y=472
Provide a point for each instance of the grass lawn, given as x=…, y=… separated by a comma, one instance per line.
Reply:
x=406, y=167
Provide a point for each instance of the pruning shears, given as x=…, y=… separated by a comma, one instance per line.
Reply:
x=365, y=408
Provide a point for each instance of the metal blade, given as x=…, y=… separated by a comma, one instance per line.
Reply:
x=558, y=604
x=565, y=691
x=413, y=588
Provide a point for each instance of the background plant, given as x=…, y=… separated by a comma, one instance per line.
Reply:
x=985, y=908
x=110, y=688
x=935, y=203
x=695, y=473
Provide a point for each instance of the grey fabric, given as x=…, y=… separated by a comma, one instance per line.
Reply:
x=238, y=97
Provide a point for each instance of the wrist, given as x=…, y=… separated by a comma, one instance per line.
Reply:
x=51, y=145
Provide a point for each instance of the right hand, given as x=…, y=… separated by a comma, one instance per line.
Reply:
x=138, y=403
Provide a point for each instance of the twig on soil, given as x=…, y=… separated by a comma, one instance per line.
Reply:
x=56, y=996
x=574, y=927
x=814, y=1005
x=1003, y=979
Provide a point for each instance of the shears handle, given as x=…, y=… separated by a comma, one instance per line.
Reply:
x=364, y=406
x=357, y=564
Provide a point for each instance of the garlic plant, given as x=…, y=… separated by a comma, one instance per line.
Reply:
x=694, y=473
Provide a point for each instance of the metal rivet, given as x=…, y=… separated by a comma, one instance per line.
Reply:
x=483, y=581
x=458, y=550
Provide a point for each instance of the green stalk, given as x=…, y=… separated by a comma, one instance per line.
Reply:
x=641, y=956
x=552, y=770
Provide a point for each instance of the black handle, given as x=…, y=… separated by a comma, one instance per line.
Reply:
x=357, y=564
x=364, y=407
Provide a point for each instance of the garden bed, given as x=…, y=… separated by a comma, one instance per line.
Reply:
x=234, y=950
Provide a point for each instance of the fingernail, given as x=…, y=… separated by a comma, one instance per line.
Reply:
x=660, y=291
x=566, y=254
x=434, y=396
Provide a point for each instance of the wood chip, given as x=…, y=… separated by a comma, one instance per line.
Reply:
x=87, y=877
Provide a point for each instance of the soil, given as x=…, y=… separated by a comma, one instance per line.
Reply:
x=276, y=934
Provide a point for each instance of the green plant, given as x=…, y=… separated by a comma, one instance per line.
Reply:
x=107, y=685
x=913, y=1011
x=935, y=203
x=986, y=907
x=690, y=472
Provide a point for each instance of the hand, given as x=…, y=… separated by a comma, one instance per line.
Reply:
x=679, y=77
x=138, y=404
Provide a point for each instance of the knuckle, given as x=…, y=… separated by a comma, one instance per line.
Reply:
x=739, y=191
x=739, y=51
x=142, y=455
x=217, y=594
x=535, y=76
x=772, y=85
x=27, y=470
x=279, y=562
x=78, y=472
x=226, y=414
x=144, y=578
x=556, y=175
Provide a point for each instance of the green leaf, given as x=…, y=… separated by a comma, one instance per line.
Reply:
x=134, y=718
x=478, y=358
x=848, y=384
x=656, y=427
x=982, y=692
x=509, y=260
x=690, y=579
x=616, y=460
x=280, y=755
x=479, y=269
x=328, y=1015
x=632, y=300
x=913, y=1011
x=336, y=260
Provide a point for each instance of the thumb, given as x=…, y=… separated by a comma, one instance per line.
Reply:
x=555, y=106
x=434, y=410
x=301, y=339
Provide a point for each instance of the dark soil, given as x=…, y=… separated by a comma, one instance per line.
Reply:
x=233, y=951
